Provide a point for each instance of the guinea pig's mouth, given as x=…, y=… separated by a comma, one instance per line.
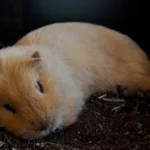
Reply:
x=32, y=135
x=38, y=134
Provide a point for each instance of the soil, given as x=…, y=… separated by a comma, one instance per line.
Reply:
x=101, y=126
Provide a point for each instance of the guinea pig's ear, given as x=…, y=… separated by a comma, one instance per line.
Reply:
x=35, y=59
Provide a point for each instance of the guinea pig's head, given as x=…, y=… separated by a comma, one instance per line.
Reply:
x=26, y=108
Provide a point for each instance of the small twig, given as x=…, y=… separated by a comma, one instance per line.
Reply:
x=1, y=143
x=61, y=146
x=102, y=96
x=117, y=108
x=113, y=100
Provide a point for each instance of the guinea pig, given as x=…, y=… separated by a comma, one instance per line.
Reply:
x=47, y=75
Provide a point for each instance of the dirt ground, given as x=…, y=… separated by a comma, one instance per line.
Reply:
x=101, y=126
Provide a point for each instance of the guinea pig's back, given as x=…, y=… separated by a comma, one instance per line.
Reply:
x=74, y=37
x=93, y=52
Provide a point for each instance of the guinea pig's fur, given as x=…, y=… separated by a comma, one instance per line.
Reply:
x=47, y=76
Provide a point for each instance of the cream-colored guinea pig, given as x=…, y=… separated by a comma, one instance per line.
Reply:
x=46, y=77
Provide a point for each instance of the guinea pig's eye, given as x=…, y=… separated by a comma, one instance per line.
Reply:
x=9, y=108
x=39, y=86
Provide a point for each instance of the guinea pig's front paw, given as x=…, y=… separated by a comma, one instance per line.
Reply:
x=63, y=122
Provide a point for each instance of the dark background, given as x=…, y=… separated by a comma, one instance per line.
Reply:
x=17, y=17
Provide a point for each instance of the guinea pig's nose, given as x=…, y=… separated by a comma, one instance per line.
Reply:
x=43, y=126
